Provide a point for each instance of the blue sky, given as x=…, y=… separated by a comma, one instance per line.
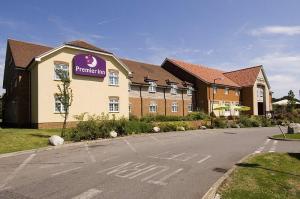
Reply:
x=226, y=34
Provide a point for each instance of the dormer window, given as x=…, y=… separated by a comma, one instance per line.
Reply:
x=174, y=89
x=152, y=87
x=190, y=91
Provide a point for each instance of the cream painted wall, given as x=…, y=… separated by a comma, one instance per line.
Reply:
x=261, y=81
x=91, y=94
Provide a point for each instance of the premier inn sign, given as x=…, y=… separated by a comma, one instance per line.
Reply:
x=89, y=65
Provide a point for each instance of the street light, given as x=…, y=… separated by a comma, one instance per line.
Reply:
x=213, y=100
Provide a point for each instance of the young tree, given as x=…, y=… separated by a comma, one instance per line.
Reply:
x=291, y=100
x=64, y=96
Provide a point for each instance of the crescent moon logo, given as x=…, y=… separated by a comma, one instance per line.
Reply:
x=94, y=62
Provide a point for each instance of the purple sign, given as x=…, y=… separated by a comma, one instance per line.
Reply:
x=89, y=65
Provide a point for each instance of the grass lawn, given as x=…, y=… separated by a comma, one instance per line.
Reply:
x=288, y=136
x=23, y=139
x=265, y=176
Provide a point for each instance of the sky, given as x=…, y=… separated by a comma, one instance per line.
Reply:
x=225, y=34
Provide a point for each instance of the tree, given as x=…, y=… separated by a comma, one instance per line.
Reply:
x=291, y=100
x=64, y=96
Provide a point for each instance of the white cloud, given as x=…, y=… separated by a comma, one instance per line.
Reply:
x=107, y=21
x=9, y=23
x=279, y=30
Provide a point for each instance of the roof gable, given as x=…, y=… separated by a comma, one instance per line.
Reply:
x=24, y=52
x=244, y=77
x=208, y=75
x=85, y=45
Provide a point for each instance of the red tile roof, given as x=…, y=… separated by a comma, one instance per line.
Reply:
x=204, y=73
x=142, y=70
x=244, y=77
x=24, y=52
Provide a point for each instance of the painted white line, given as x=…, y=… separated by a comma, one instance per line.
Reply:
x=65, y=171
x=204, y=159
x=188, y=158
x=116, y=168
x=157, y=156
x=92, y=158
x=88, y=194
x=16, y=171
x=161, y=181
x=260, y=149
x=154, y=138
x=130, y=146
x=110, y=158
x=164, y=168
x=273, y=148
x=174, y=156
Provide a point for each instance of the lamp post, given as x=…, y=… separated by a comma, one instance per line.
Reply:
x=213, y=100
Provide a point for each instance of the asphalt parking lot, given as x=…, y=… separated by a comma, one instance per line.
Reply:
x=165, y=165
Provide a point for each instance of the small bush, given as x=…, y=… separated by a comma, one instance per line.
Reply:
x=220, y=122
x=197, y=116
x=172, y=126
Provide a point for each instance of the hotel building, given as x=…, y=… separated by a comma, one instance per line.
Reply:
x=104, y=83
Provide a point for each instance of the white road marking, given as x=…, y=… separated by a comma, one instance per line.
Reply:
x=161, y=181
x=92, y=158
x=154, y=138
x=273, y=148
x=65, y=171
x=157, y=156
x=260, y=149
x=16, y=171
x=188, y=158
x=204, y=159
x=130, y=146
x=164, y=168
x=110, y=158
x=115, y=168
x=88, y=194
x=174, y=156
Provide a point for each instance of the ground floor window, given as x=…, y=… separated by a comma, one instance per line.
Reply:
x=153, y=107
x=190, y=107
x=113, y=105
x=130, y=108
x=174, y=107
x=59, y=107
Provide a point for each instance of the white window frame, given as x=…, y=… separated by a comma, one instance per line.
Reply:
x=114, y=105
x=62, y=66
x=226, y=91
x=190, y=91
x=152, y=87
x=174, y=107
x=129, y=87
x=190, y=107
x=130, y=108
x=237, y=92
x=113, y=78
x=153, y=107
x=215, y=89
x=173, y=90
x=57, y=102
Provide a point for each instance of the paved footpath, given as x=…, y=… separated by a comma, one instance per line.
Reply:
x=165, y=165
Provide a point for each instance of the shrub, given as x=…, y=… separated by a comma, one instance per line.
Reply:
x=220, y=122
x=197, y=116
x=172, y=126
x=134, y=127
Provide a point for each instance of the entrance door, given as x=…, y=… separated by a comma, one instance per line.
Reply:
x=260, y=106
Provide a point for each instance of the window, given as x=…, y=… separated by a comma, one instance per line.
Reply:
x=113, y=105
x=152, y=87
x=237, y=92
x=153, y=107
x=215, y=89
x=130, y=108
x=173, y=89
x=226, y=91
x=113, y=78
x=129, y=87
x=174, y=107
x=61, y=67
x=190, y=91
x=59, y=107
x=190, y=107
